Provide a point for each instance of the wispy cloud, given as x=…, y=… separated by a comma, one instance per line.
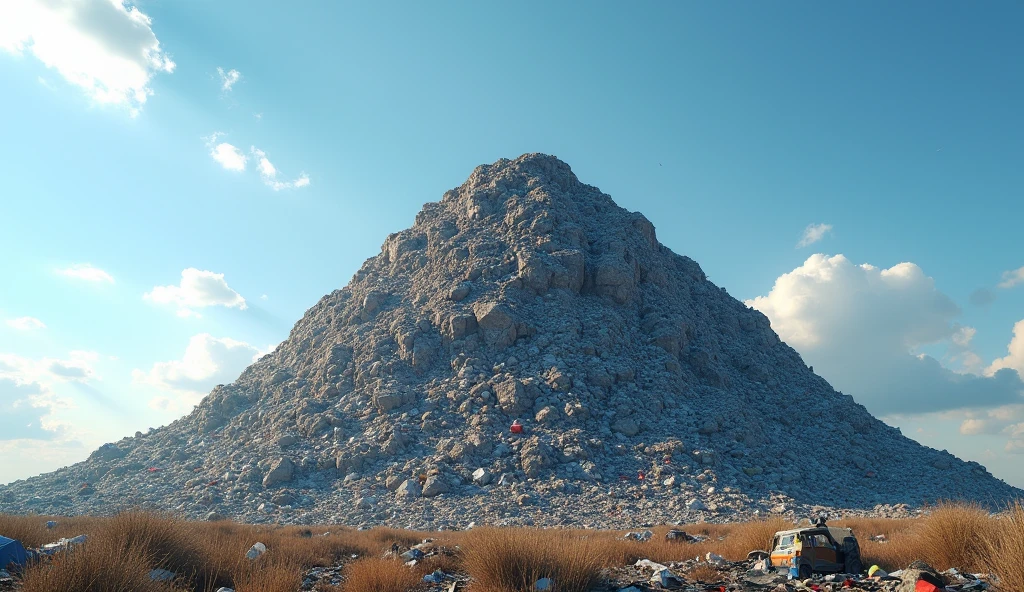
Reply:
x=87, y=272
x=25, y=324
x=105, y=47
x=814, y=233
x=228, y=79
x=268, y=172
x=1012, y=278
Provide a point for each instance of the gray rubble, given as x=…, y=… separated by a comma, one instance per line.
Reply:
x=646, y=393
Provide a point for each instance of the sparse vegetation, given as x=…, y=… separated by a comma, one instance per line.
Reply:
x=512, y=560
x=379, y=575
x=1004, y=552
x=121, y=550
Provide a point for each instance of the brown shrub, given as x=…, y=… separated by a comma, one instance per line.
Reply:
x=1006, y=549
x=512, y=560
x=379, y=575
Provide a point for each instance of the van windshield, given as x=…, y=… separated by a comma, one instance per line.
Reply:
x=786, y=542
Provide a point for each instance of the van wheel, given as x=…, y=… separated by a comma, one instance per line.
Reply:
x=805, y=571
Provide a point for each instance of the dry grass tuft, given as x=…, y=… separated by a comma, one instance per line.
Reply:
x=379, y=575
x=512, y=560
x=101, y=566
x=751, y=536
x=954, y=535
x=1005, y=551
x=704, y=573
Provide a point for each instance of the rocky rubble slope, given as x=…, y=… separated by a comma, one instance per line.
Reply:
x=646, y=393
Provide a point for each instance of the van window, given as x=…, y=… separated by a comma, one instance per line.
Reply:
x=786, y=542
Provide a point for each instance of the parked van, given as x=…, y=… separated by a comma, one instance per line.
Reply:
x=818, y=549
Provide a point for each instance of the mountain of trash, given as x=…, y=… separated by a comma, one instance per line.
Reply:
x=526, y=353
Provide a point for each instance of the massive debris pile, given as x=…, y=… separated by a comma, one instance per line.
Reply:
x=645, y=392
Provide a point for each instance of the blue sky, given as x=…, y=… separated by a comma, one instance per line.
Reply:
x=181, y=180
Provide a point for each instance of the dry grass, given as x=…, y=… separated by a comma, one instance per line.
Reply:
x=379, y=575
x=704, y=573
x=750, y=536
x=954, y=535
x=122, y=549
x=512, y=560
x=1005, y=551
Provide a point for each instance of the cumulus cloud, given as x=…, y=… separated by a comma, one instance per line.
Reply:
x=207, y=362
x=228, y=79
x=1012, y=278
x=105, y=47
x=87, y=272
x=861, y=328
x=25, y=324
x=813, y=233
x=1015, y=356
x=268, y=172
x=197, y=289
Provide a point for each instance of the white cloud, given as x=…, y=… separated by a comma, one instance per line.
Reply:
x=1012, y=278
x=197, y=289
x=87, y=272
x=25, y=324
x=106, y=47
x=1015, y=444
x=813, y=233
x=264, y=297
x=861, y=326
x=229, y=156
x=268, y=172
x=991, y=421
x=207, y=362
x=228, y=79
x=23, y=409
x=1015, y=356
x=77, y=367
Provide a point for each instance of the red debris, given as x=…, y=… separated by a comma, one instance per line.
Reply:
x=923, y=586
x=154, y=470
